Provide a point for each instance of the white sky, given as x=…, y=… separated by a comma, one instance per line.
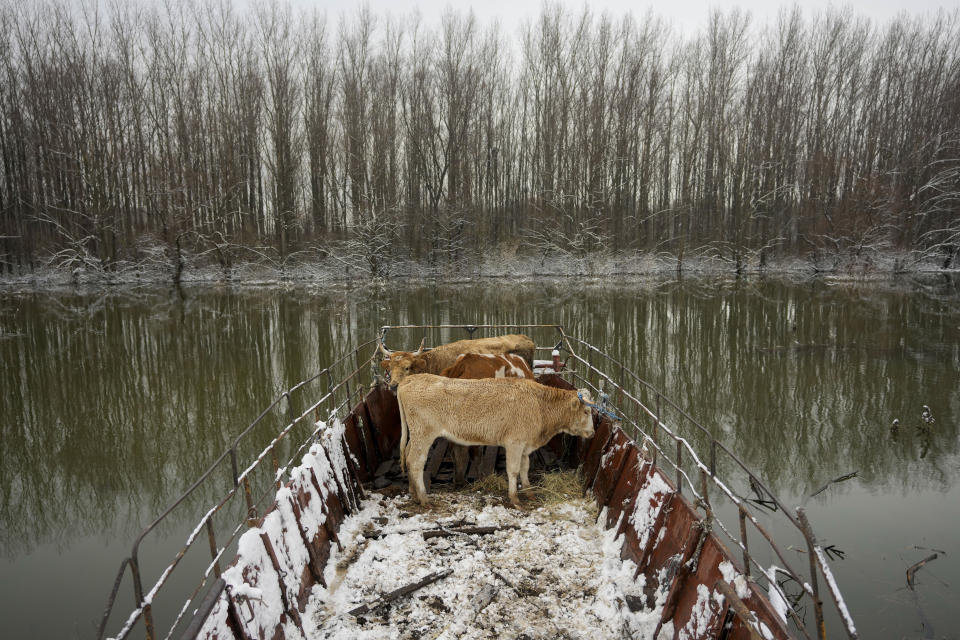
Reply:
x=686, y=15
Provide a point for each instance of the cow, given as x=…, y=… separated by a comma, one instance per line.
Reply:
x=400, y=364
x=475, y=366
x=518, y=414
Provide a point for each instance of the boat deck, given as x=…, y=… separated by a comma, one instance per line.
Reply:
x=548, y=571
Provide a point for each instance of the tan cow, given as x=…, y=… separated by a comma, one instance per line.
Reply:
x=400, y=364
x=517, y=414
x=476, y=366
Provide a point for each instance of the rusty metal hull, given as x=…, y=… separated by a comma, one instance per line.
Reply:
x=672, y=549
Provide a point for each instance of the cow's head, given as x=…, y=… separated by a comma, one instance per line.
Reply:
x=582, y=409
x=400, y=364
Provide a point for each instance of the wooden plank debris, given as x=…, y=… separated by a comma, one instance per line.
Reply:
x=399, y=593
x=473, y=531
x=916, y=567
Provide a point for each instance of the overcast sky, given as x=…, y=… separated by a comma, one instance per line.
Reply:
x=687, y=15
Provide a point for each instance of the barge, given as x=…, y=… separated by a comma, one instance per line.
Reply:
x=695, y=554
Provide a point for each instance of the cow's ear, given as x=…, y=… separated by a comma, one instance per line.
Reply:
x=420, y=364
x=385, y=364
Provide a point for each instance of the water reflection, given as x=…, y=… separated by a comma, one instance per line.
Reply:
x=111, y=404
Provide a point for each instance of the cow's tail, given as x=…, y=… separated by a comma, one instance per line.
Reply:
x=403, y=434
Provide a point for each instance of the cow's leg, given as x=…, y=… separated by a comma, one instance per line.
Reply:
x=417, y=450
x=525, y=469
x=514, y=462
x=461, y=458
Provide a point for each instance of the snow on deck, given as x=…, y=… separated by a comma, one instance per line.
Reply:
x=565, y=575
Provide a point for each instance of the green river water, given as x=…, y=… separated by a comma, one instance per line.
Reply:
x=111, y=404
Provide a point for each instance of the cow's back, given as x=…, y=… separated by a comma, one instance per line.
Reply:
x=445, y=355
x=475, y=366
x=487, y=411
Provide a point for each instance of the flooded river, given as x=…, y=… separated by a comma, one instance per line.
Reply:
x=112, y=404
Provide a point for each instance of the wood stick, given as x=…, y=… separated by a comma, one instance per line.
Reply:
x=399, y=593
x=442, y=532
x=845, y=476
x=913, y=569
x=476, y=531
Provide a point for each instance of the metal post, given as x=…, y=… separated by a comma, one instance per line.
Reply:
x=811, y=543
x=251, y=510
x=233, y=465
x=332, y=403
x=657, y=418
x=276, y=468
x=213, y=547
x=743, y=541
x=620, y=387
x=589, y=363
x=706, y=494
x=138, y=595
x=679, y=461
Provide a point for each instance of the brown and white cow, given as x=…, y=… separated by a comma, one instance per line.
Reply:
x=517, y=414
x=400, y=364
x=476, y=366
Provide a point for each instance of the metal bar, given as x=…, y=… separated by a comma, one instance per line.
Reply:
x=679, y=462
x=206, y=606
x=831, y=582
x=463, y=326
x=213, y=547
x=138, y=595
x=704, y=494
x=112, y=598
x=739, y=608
x=814, y=586
x=743, y=540
x=251, y=510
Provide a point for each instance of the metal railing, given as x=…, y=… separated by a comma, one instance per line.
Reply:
x=658, y=433
x=708, y=475
x=241, y=482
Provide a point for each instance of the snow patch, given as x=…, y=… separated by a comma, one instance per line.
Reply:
x=650, y=499
x=736, y=579
x=775, y=595
x=700, y=616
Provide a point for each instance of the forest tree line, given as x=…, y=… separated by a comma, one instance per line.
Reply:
x=131, y=134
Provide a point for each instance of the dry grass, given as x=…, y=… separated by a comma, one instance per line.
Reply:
x=549, y=490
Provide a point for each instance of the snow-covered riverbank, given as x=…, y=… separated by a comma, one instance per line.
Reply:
x=496, y=265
